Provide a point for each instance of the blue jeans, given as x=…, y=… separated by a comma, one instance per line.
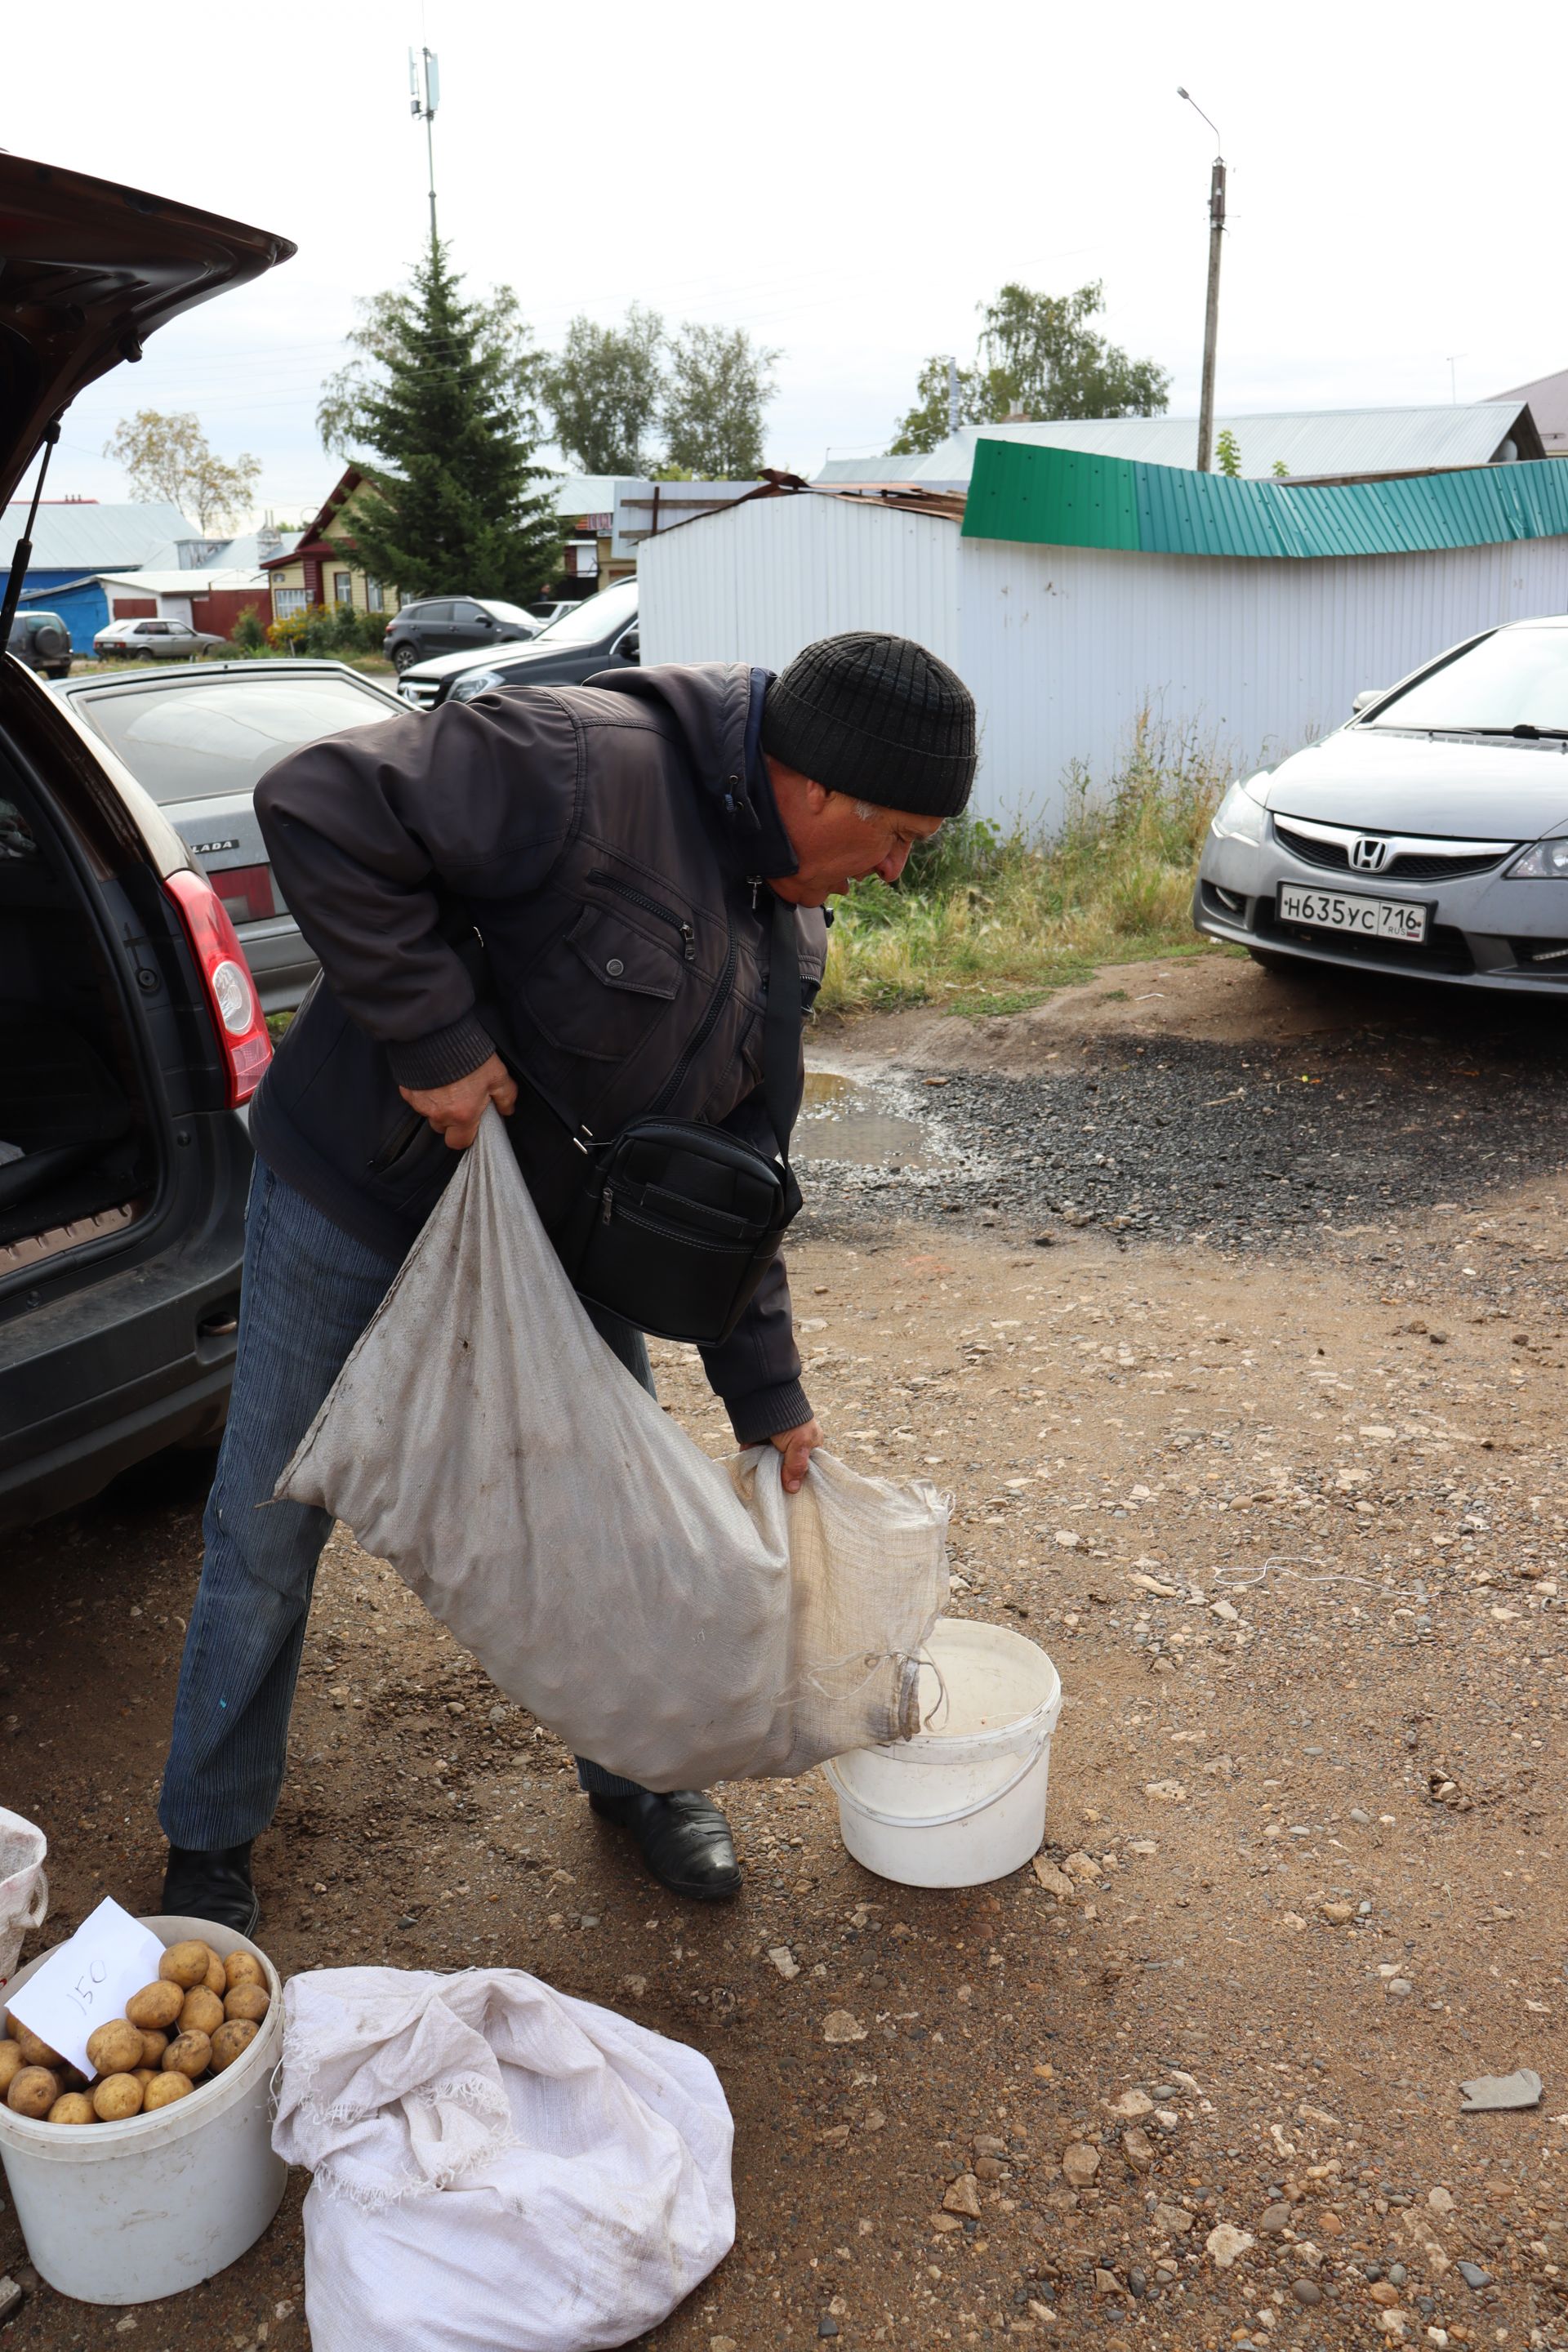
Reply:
x=309, y=1290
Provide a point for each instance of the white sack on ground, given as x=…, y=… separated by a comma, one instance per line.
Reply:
x=678, y=1620
x=495, y=2163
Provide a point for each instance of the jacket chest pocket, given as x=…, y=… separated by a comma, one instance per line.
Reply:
x=605, y=989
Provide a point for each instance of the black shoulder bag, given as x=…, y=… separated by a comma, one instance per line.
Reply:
x=676, y=1222
x=679, y=1222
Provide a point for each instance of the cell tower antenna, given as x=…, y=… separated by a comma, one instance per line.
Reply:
x=424, y=97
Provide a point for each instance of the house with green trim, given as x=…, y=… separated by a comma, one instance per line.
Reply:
x=1084, y=596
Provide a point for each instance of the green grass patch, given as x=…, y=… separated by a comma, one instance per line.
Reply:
x=975, y=1005
x=987, y=920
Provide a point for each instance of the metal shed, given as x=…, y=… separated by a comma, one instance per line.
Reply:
x=75, y=540
x=1082, y=594
x=1311, y=444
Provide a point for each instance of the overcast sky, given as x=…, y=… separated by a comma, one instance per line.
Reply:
x=847, y=182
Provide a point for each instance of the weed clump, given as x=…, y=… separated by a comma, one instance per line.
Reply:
x=989, y=919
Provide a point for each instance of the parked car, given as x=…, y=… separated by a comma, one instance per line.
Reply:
x=130, y=1031
x=599, y=633
x=154, y=641
x=450, y=625
x=43, y=641
x=1428, y=836
x=200, y=741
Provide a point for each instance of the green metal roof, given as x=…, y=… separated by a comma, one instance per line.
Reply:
x=1066, y=497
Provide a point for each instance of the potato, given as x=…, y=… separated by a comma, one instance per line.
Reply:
x=153, y=2048
x=216, y=1977
x=116, y=2097
x=229, y=2040
x=116, y=2047
x=248, y=2001
x=35, y=2053
x=189, y=2054
x=33, y=2092
x=72, y=2107
x=11, y=2063
x=243, y=1968
x=186, y=1964
x=163, y=2090
x=156, y=2006
x=201, y=2012
x=145, y=2074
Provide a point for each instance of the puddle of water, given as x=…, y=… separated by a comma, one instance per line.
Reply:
x=841, y=1121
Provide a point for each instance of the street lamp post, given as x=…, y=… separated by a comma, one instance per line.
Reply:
x=1211, y=310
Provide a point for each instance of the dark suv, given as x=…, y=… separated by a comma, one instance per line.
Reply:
x=43, y=641
x=131, y=1033
x=454, y=625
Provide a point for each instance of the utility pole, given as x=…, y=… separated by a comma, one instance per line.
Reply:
x=953, y=400
x=1211, y=309
x=424, y=97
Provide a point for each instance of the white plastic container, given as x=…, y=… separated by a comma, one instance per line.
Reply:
x=129, y=2212
x=964, y=1801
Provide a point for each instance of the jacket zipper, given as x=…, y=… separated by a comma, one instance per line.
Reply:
x=651, y=907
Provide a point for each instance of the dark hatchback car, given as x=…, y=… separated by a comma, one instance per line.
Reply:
x=131, y=1031
x=454, y=625
x=600, y=632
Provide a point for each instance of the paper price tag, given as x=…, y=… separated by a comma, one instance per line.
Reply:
x=87, y=1980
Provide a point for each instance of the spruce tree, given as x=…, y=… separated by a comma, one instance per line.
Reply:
x=454, y=503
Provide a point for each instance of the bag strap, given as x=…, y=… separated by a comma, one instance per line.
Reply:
x=782, y=1023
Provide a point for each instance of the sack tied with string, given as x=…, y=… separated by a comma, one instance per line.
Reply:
x=678, y=1620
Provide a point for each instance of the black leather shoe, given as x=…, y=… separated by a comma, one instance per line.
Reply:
x=214, y=1886
x=683, y=1837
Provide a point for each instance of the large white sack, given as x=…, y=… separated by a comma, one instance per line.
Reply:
x=496, y=2165
x=676, y=1619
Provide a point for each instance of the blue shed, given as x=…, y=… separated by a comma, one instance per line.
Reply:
x=76, y=540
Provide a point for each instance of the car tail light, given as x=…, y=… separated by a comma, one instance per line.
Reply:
x=232, y=1000
x=246, y=892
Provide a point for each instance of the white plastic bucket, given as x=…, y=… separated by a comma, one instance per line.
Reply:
x=24, y=1888
x=129, y=2212
x=964, y=1801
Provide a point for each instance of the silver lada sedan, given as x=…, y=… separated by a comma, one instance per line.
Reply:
x=1429, y=836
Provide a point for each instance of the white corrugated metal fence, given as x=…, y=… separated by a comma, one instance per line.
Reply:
x=1065, y=648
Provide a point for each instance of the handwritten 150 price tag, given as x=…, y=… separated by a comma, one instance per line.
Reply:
x=87, y=1980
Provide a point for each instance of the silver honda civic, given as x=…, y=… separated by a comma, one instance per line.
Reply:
x=1428, y=836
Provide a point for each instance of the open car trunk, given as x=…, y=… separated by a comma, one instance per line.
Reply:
x=79, y=1157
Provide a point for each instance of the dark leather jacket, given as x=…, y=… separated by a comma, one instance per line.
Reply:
x=605, y=842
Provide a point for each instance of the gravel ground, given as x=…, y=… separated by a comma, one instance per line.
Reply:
x=1184, y=1141
x=1293, y=1532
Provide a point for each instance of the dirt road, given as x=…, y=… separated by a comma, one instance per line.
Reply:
x=1286, y=1505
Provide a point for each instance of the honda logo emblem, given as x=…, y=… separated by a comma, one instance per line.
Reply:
x=1368, y=855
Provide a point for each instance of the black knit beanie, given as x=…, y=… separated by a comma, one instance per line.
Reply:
x=877, y=718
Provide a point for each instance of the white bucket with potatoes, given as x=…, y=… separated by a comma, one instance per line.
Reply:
x=132, y=2211
x=964, y=1801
